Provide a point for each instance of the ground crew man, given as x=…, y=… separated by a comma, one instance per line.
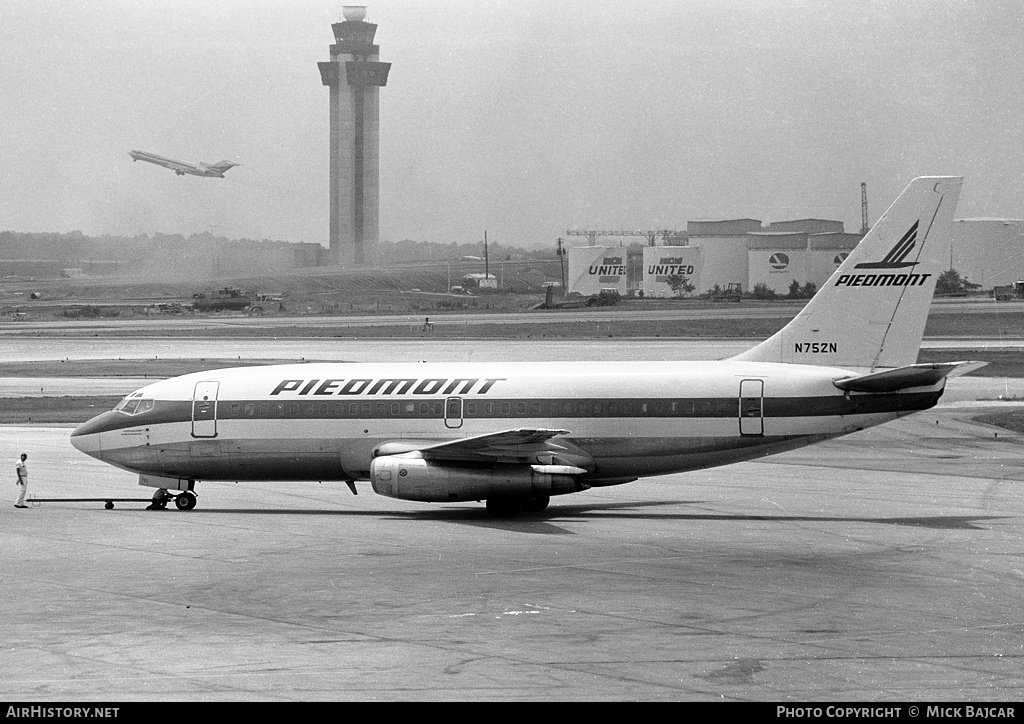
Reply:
x=22, y=469
x=160, y=499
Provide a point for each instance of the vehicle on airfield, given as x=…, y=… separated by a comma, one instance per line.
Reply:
x=732, y=293
x=227, y=299
x=212, y=170
x=1009, y=292
x=515, y=434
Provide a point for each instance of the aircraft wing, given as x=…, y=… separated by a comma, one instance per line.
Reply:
x=521, y=444
x=525, y=445
x=900, y=378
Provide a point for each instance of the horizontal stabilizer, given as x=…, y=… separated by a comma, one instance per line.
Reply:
x=900, y=378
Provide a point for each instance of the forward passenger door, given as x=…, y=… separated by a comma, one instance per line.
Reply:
x=204, y=409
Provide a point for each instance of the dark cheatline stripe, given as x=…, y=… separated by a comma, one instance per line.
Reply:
x=514, y=410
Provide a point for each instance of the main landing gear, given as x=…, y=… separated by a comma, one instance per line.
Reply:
x=185, y=500
x=508, y=507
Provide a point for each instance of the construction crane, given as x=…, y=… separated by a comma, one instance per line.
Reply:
x=651, y=236
x=863, y=208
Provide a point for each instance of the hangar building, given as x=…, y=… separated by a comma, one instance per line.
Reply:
x=741, y=251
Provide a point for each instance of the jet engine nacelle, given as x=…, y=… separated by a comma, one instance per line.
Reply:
x=418, y=479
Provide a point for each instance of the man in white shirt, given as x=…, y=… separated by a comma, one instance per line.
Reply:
x=22, y=469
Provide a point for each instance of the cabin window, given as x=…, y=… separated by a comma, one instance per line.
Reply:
x=410, y=408
x=488, y=408
x=520, y=408
x=471, y=409
x=424, y=408
x=535, y=408
x=506, y=408
x=250, y=409
x=325, y=409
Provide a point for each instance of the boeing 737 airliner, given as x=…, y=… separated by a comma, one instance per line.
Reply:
x=517, y=434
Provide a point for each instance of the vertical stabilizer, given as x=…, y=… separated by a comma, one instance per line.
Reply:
x=220, y=166
x=872, y=310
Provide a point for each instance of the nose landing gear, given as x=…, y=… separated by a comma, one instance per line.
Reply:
x=185, y=500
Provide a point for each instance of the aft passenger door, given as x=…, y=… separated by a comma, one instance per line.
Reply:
x=752, y=407
x=204, y=409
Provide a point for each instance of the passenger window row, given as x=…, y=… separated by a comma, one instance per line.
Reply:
x=716, y=407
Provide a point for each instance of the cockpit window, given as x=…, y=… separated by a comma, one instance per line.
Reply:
x=134, y=406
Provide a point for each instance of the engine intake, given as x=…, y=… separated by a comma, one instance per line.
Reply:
x=417, y=479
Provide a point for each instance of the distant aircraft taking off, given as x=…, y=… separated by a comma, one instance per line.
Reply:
x=181, y=168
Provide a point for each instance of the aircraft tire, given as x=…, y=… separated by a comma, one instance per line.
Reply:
x=503, y=507
x=186, y=501
x=536, y=504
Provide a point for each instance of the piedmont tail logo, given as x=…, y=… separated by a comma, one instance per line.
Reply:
x=893, y=260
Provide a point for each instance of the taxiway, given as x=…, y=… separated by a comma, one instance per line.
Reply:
x=883, y=566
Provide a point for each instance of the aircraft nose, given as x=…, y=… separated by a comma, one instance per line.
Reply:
x=86, y=437
x=89, y=444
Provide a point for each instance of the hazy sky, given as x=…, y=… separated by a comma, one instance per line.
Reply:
x=520, y=117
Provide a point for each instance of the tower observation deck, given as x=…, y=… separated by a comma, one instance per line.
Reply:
x=355, y=75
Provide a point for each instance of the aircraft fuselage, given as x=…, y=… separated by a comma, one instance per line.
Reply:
x=624, y=420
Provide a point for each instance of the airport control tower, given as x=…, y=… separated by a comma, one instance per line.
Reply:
x=354, y=75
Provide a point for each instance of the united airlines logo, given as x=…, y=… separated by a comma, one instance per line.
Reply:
x=611, y=266
x=894, y=259
x=668, y=266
